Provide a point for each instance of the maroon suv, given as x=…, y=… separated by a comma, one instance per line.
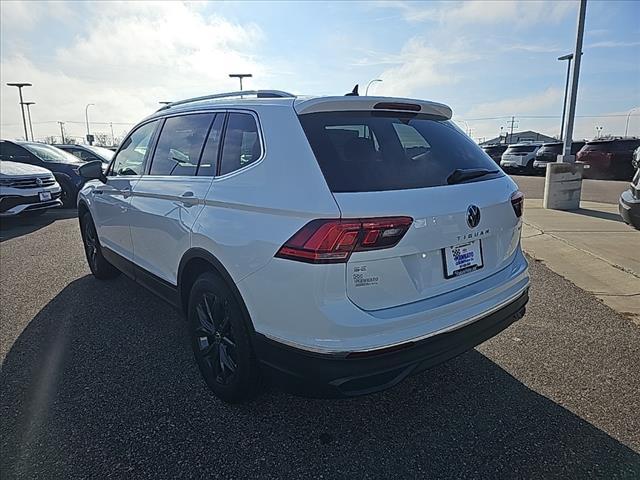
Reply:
x=609, y=158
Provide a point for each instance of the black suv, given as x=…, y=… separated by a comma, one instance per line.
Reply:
x=549, y=152
x=495, y=151
x=63, y=165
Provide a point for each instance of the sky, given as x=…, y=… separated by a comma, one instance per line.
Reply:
x=487, y=60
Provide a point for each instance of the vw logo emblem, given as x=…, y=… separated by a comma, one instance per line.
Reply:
x=473, y=216
x=39, y=182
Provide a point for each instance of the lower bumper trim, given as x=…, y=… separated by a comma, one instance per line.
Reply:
x=322, y=375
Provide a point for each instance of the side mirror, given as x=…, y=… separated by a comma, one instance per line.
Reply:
x=92, y=171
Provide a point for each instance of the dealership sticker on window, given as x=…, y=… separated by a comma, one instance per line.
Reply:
x=361, y=278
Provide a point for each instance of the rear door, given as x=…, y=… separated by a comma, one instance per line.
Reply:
x=168, y=199
x=383, y=164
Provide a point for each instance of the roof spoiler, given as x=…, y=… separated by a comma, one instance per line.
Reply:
x=389, y=104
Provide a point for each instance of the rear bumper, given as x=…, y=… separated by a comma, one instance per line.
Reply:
x=629, y=208
x=327, y=375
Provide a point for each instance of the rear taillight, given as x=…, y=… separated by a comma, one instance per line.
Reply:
x=517, y=202
x=333, y=241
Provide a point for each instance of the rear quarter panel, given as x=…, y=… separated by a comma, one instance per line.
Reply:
x=250, y=213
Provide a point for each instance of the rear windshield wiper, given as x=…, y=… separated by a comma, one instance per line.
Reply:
x=463, y=174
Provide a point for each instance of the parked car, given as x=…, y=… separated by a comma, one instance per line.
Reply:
x=495, y=151
x=629, y=203
x=519, y=157
x=26, y=189
x=549, y=152
x=88, y=153
x=63, y=165
x=333, y=245
x=610, y=158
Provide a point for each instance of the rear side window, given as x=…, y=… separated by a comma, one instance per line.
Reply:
x=180, y=144
x=374, y=151
x=241, y=143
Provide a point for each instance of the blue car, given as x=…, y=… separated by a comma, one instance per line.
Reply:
x=63, y=165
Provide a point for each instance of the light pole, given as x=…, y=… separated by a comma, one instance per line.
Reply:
x=626, y=128
x=28, y=104
x=61, y=132
x=366, y=91
x=86, y=117
x=24, y=121
x=568, y=57
x=240, y=76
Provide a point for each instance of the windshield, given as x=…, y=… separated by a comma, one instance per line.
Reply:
x=47, y=153
x=102, y=152
x=374, y=151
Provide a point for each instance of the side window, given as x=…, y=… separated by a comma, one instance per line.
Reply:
x=209, y=160
x=10, y=151
x=180, y=144
x=241, y=145
x=130, y=160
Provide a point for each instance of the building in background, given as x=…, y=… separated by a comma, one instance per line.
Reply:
x=520, y=137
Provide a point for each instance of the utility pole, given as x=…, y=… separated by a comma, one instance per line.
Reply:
x=113, y=139
x=28, y=104
x=62, y=132
x=511, y=122
x=24, y=121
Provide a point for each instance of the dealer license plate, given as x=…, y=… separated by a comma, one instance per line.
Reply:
x=44, y=196
x=462, y=259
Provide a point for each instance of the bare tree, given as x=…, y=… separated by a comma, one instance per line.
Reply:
x=51, y=140
x=102, y=139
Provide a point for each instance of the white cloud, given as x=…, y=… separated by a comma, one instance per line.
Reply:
x=134, y=55
x=613, y=44
x=527, y=104
x=419, y=65
x=514, y=12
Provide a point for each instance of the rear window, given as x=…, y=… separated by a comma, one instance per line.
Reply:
x=552, y=148
x=494, y=149
x=374, y=151
x=521, y=149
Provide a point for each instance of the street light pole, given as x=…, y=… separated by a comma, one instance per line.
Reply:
x=86, y=117
x=62, y=132
x=573, y=95
x=568, y=57
x=28, y=104
x=626, y=128
x=24, y=121
x=366, y=91
x=240, y=76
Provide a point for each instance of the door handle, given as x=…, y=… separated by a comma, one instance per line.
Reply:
x=187, y=194
x=188, y=199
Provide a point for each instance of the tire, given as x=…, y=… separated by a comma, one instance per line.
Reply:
x=221, y=340
x=68, y=195
x=98, y=265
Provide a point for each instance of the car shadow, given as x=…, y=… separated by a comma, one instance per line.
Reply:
x=614, y=217
x=13, y=227
x=102, y=383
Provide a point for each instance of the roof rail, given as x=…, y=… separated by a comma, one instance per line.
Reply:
x=257, y=93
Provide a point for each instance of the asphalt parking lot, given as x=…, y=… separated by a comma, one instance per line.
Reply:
x=98, y=382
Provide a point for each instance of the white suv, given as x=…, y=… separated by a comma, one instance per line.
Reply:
x=333, y=245
x=520, y=157
x=26, y=189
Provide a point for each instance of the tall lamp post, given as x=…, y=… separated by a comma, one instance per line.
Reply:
x=28, y=104
x=24, y=121
x=240, y=76
x=86, y=117
x=563, y=181
x=626, y=127
x=366, y=91
x=568, y=57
